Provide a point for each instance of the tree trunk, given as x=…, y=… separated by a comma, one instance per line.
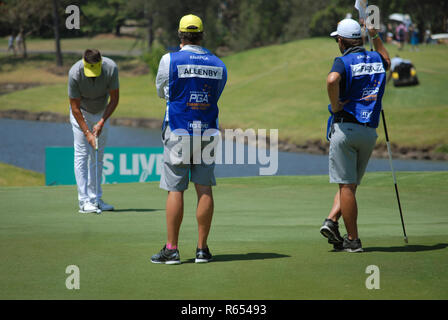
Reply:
x=117, y=29
x=150, y=31
x=57, y=37
x=149, y=15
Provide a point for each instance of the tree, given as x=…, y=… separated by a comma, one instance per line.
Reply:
x=325, y=21
x=57, y=39
x=144, y=12
x=301, y=14
x=104, y=16
x=25, y=17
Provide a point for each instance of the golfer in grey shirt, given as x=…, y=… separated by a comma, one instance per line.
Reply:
x=93, y=91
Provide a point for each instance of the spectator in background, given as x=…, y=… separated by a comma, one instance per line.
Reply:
x=428, y=38
x=383, y=32
x=19, y=42
x=390, y=33
x=11, y=44
x=407, y=21
x=400, y=33
x=390, y=37
x=414, y=34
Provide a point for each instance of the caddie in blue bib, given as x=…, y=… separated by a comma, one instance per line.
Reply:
x=365, y=84
x=191, y=81
x=355, y=87
x=195, y=85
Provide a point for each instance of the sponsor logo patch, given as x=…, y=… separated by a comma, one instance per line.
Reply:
x=370, y=94
x=366, y=114
x=199, y=58
x=198, y=71
x=363, y=69
x=197, y=125
x=199, y=100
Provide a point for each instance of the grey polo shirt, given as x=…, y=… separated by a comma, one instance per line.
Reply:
x=94, y=92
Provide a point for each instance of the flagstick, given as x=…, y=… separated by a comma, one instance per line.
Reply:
x=389, y=151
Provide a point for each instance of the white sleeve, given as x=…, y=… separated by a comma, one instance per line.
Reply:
x=163, y=77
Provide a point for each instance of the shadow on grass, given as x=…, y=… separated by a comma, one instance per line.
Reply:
x=137, y=210
x=244, y=256
x=408, y=248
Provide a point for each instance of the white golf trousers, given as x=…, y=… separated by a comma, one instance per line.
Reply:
x=85, y=158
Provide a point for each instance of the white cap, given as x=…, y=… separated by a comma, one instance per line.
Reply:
x=348, y=28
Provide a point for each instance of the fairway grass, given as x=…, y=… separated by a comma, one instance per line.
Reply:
x=265, y=240
x=14, y=176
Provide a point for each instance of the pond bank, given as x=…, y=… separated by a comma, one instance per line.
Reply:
x=311, y=146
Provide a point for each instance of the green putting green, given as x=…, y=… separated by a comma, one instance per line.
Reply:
x=265, y=240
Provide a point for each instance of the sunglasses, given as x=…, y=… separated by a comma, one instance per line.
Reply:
x=336, y=39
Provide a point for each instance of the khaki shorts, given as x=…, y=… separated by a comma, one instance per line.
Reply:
x=176, y=174
x=351, y=146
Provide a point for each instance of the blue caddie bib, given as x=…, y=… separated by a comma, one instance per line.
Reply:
x=195, y=85
x=365, y=84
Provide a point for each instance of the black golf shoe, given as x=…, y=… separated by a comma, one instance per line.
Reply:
x=166, y=256
x=338, y=246
x=203, y=255
x=352, y=245
x=330, y=230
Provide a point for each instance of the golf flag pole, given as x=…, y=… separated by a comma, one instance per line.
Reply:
x=361, y=6
x=393, y=175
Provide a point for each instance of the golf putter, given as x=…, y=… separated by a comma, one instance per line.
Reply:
x=96, y=175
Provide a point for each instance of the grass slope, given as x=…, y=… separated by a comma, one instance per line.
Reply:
x=103, y=42
x=283, y=86
x=264, y=238
x=15, y=176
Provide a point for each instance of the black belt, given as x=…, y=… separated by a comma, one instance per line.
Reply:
x=347, y=120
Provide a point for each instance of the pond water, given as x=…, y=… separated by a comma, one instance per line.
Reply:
x=23, y=143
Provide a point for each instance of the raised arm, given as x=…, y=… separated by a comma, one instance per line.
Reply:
x=379, y=46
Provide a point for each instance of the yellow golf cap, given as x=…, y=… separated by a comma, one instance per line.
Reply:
x=92, y=70
x=190, y=23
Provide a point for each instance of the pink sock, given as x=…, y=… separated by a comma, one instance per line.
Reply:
x=170, y=247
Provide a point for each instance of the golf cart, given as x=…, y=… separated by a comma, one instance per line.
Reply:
x=403, y=73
